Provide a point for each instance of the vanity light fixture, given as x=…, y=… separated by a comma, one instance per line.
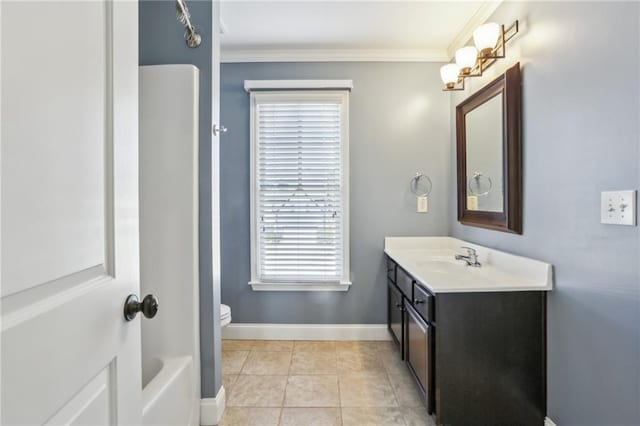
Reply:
x=466, y=58
x=489, y=40
x=449, y=74
x=485, y=37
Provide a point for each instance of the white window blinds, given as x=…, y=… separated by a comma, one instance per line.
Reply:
x=300, y=189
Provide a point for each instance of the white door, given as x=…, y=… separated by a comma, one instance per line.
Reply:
x=69, y=212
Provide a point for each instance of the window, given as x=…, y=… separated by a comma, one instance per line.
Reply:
x=300, y=190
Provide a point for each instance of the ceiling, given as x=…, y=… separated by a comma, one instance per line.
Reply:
x=338, y=30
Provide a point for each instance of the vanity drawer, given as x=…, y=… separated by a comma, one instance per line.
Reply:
x=423, y=302
x=391, y=269
x=404, y=282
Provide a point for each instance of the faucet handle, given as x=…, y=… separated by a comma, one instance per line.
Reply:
x=470, y=250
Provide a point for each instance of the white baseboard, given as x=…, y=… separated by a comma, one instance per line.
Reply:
x=306, y=332
x=548, y=422
x=212, y=409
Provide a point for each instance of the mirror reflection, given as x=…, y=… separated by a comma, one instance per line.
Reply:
x=484, y=155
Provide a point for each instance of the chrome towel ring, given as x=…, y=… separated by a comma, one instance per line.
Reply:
x=421, y=185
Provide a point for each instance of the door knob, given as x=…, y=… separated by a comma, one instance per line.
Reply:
x=218, y=129
x=148, y=306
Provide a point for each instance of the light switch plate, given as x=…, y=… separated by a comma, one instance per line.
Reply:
x=618, y=207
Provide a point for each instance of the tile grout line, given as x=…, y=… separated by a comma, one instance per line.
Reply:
x=335, y=353
x=286, y=385
x=393, y=390
x=388, y=377
x=244, y=363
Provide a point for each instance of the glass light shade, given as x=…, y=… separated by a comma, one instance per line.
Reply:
x=466, y=59
x=449, y=75
x=485, y=37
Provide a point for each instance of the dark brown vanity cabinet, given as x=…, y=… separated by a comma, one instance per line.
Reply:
x=423, y=302
x=479, y=357
x=409, y=311
x=396, y=319
x=404, y=282
x=419, y=352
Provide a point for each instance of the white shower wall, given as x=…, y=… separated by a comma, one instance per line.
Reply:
x=169, y=235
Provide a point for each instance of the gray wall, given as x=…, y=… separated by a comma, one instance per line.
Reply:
x=162, y=42
x=581, y=113
x=399, y=124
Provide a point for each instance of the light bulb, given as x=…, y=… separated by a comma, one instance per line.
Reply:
x=449, y=75
x=485, y=38
x=466, y=59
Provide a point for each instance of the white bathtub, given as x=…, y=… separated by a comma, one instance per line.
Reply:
x=167, y=398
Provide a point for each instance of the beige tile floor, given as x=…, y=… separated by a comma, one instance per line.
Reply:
x=319, y=383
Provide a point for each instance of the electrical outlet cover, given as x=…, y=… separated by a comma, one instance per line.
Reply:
x=423, y=205
x=618, y=207
x=472, y=202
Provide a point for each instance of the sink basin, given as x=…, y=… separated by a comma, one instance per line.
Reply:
x=455, y=271
x=441, y=265
x=439, y=260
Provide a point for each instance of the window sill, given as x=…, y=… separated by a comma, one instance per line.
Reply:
x=261, y=286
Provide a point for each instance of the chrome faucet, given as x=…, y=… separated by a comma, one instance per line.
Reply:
x=471, y=258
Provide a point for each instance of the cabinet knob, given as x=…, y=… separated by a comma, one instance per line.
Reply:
x=418, y=301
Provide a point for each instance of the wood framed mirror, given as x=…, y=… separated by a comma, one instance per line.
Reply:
x=489, y=155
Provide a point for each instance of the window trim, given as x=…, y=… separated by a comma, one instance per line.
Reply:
x=284, y=85
x=293, y=96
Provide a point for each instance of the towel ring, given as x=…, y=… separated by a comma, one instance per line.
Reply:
x=476, y=178
x=421, y=185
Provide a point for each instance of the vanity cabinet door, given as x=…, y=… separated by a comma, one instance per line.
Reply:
x=391, y=270
x=423, y=302
x=404, y=282
x=419, y=352
x=395, y=317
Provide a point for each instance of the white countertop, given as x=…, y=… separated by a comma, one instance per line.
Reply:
x=431, y=261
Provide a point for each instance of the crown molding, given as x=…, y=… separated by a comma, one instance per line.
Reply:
x=332, y=55
x=480, y=17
